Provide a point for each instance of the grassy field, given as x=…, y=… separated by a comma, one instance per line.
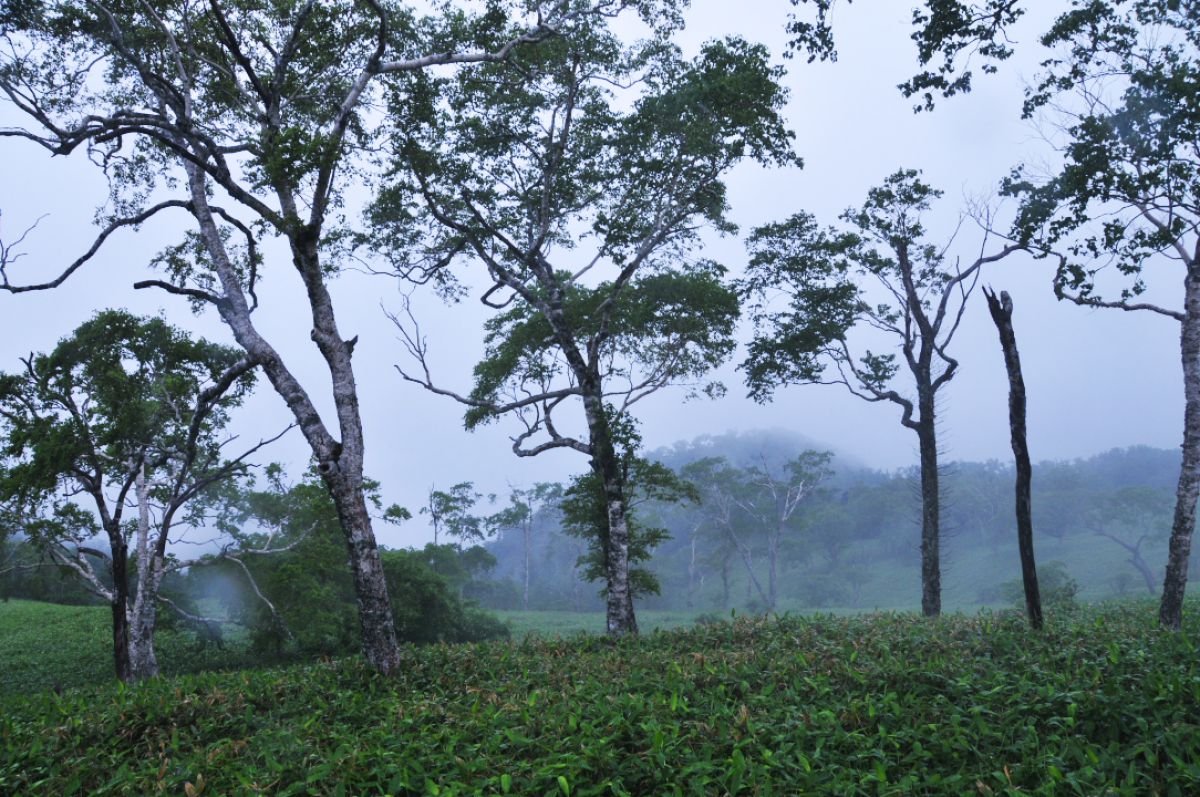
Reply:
x=43, y=645
x=1102, y=703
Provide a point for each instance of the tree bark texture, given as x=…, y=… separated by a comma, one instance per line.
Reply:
x=931, y=565
x=619, y=612
x=1170, y=612
x=1002, y=310
x=340, y=462
x=120, y=605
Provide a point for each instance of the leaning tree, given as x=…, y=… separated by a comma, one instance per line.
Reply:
x=252, y=120
x=917, y=298
x=576, y=179
x=125, y=413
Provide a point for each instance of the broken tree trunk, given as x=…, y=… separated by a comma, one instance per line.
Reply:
x=1001, y=309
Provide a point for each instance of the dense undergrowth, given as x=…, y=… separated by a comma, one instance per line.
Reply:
x=1102, y=703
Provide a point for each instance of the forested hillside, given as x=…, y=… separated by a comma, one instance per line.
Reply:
x=1102, y=521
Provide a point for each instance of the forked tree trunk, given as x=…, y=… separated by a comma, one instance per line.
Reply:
x=931, y=565
x=1002, y=310
x=340, y=462
x=1170, y=613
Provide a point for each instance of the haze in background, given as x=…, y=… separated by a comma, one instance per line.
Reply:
x=1097, y=379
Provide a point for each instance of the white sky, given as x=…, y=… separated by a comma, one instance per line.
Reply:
x=1096, y=378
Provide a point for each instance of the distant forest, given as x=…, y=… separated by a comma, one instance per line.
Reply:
x=853, y=541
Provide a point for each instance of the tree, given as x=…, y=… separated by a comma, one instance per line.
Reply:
x=775, y=498
x=1001, y=309
x=922, y=297
x=1126, y=198
x=722, y=489
x=450, y=511
x=252, y=120
x=125, y=412
x=521, y=515
x=1128, y=517
x=586, y=512
x=951, y=37
x=576, y=178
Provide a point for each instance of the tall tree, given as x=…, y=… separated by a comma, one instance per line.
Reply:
x=774, y=501
x=1123, y=89
x=586, y=514
x=1001, y=309
x=918, y=301
x=250, y=119
x=125, y=412
x=576, y=179
x=521, y=516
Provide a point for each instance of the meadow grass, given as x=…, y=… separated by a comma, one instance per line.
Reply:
x=1101, y=703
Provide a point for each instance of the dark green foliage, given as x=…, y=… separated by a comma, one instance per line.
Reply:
x=427, y=609
x=1057, y=588
x=310, y=584
x=951, y=35
x=584, y=510
x=1102, y=703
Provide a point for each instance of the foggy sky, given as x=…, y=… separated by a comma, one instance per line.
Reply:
x=1096, y=378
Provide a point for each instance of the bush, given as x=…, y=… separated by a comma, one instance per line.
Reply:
x=1057, y=588
x=427, y=609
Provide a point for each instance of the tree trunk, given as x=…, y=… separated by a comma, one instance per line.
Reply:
x=1170, y=613
x=143, y=663
x=120, y=606
x=691, y=571
x=340, y=463
x=620, y=617
x=379, y=642
x=931, y=567
x=526, y=533
x=725, y=582
x=772, y=572
x=1001, y=310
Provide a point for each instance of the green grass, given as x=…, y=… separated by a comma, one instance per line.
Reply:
x=569, y=623
x=1102, y=703
x=44, y=645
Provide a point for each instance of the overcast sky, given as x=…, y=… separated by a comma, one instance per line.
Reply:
x=1096, y=378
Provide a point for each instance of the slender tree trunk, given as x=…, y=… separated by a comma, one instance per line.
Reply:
x=725, y=582
x=1170, y=613
x=526, y=534
x=1002, y=310
x=691, y=588
x=772, y=572
x=931, y=567
x=748, y=561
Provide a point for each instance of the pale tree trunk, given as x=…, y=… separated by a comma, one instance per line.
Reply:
x=376, y=624
x=620, y=617
x=143, y=662
x=340, y=462
x=931, y=567
x=1170, y=613
x=773, y=572
x=1002, y=310
x=527, y=542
